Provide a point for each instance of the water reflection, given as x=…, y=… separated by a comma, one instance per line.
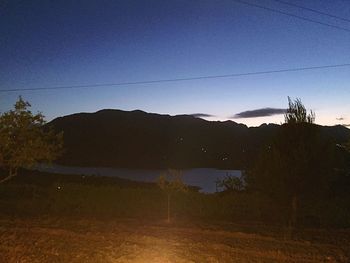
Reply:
x=204, y=178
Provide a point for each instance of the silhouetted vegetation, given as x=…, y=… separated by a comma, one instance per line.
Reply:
x=300, y=178
x=297, y=167
x=36, y=194
x=230, y=184
x=171, y=183
x=24, y=142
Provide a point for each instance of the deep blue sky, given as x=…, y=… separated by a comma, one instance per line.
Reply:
x=57, y=43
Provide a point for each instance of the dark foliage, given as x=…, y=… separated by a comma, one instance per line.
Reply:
x=34, y=194
x=300, y=166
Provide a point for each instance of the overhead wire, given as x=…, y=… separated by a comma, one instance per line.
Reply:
x=312, y=10
x=292, y=15
x=179, y=79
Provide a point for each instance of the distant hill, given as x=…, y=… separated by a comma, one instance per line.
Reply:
x=136, y=139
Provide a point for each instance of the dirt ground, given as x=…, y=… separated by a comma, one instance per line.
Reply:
x=134, y=241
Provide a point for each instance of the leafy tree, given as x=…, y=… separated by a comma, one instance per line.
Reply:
x=23, y=140
x=297, y=113
x=231, y=184
x=297, y=164
x=170, y=182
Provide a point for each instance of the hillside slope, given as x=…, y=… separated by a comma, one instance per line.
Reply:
x=136, y=139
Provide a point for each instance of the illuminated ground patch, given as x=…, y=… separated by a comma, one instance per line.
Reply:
x=130, y=241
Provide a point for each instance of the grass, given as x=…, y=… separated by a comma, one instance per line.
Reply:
x=72, y=218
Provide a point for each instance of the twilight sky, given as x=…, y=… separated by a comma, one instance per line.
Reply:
x=59, y=43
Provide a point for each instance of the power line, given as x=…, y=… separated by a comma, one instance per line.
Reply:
x=312, y=10
x=292, y=15
x=181, y=79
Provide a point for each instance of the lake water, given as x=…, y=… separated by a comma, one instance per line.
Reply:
x=204, y=178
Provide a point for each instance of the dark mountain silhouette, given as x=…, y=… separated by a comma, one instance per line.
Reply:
x=136, y=139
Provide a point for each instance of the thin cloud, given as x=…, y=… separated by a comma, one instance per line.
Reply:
x=202, y=115
x=263, y=112
x=340, y=119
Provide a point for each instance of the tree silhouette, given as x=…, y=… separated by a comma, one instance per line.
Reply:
x=170, y=182
x=297, y=113
x=23, y=140
x=230, y=184
x=297, y=164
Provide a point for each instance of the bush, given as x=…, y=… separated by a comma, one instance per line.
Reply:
x=64, y=199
